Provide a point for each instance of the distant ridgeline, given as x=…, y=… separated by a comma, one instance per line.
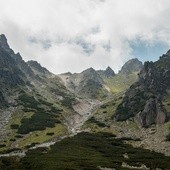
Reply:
x=30, y=87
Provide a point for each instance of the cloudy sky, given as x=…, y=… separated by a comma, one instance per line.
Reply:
x=72, y=35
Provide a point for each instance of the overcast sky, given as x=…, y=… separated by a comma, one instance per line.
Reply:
x=72, y=35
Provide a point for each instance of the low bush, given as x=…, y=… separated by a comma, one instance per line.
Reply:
x=50, y=134
x=88, y=151
x=2, y=145
x=14, y=126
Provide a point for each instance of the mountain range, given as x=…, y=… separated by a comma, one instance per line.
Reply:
x=37, y=106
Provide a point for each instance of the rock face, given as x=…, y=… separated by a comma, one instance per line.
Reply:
x=4, y=44
x=90, y=84
x=108, y=73
x=37, y=68
x=16, y=75
x=153, y=113
x=96, y=84
x=29, y=86
x=10, y=74
x=87, y=84
x=133, y=65
x=144, y=98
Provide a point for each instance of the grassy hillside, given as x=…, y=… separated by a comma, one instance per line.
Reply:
x=120, y=82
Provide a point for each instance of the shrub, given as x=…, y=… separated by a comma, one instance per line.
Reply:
x=93, y=120
x=50, y=134
x=18, y=136
x=168, y=137
x=2, y=145
x=14, y=126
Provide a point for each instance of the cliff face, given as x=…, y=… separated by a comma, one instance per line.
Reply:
x=98, y=84
x=29, y=87
x=108, y=73
x=10, y=76
x=17, y=76
x=38, y=69
x=133, y=65
x=153, y=113
x=144, y=98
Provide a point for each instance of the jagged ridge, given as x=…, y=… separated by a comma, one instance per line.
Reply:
x=144, y=98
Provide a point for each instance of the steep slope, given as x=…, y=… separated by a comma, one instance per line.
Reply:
x=102, y=118
x=131, y=66
x=11, y=76
x=40, y=107
x=30, y=76
x=125, y=78
x=21, y=64
x=144, y=98
x=106, y=73
x=31, y=100
x=87, y=84
x=91, y=84
x=38, y=69
x=99, y=84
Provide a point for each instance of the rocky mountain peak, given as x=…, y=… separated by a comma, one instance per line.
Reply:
x=37, y=67
x=145, y=97
x=18, y=56
x=89, y=70
x=4, y=43
x=168, y=52
x=133, y=65
x=3, y=40
x=91, y=74
x=109, y=72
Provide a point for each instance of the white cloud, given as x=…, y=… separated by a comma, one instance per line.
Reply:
x=72, y=35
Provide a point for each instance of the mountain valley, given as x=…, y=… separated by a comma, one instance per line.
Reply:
x=96, y=119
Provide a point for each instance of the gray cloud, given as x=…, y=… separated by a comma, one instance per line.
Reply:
x=61, y=34
x=46, y=44
x=107, y=46
x=88, y=48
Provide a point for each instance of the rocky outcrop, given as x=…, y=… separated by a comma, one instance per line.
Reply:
x=91, y=84
x=18, y=76
x=108, y=73
x=4, y=44
x=144, y=98
x=10, y=74
x=22, y=65
x=133, y=65
x=153, y=113
x=37, y=68
x=87, y=84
